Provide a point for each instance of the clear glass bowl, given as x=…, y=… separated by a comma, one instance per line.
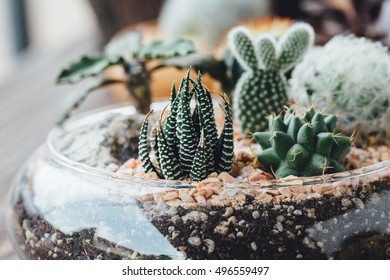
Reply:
x=62, y=209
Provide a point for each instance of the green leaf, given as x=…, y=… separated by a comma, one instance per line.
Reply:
x=269, y=159
x=318, y=123
x=341, y=147
x=263, y=138
x=317, y=165
x=86, y=66
x=324, y=143
x=331, y=122
x=123, y=46
x=306, y=137
x=297, y=156
x=293, y=128
x=281, y=143
x=285, y=170
x=165, y=49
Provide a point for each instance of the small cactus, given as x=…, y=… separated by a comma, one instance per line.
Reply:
x=262, y=87
x=188, y=146
x=302, y=144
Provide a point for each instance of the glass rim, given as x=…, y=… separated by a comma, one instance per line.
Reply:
x=91, y=116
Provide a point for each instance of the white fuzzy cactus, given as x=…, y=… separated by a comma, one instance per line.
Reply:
x=262, y=88
x=351, y=76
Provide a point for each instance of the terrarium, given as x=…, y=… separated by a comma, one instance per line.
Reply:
x=205, y=176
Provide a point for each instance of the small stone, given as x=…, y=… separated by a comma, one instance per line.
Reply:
x=279, y=226
x=175, y=234
x=265, y=197
x=228, y=212
x=240, y=234
x=256, y=214
x=55, y=237
x=254, y=246
x=280, y=218
x=209, y=193
x=182, y=248
x=341, y=189
x=300, y=197
x=345, y=202
x=311, y=212
x=299, y=256
x=232, y=220
x=246, y=171
x=211, y=180
x=194, y=241
x=131, y=163
x=297, y=212
x=297, y=189
x=232, y=236
x=152, y=176
x=185, y=197
x=210, y=245
x=358, y=202
x=195, y=216
x=256, y=176
x=227, y=178
x=171, y=228
x=221, y=229
x=322, y=189
x=200, y=199
x=285, y=191
x=244, y=156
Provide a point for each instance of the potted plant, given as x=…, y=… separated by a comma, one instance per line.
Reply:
x=281, y=182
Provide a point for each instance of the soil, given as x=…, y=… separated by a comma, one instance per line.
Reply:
x=345, y=227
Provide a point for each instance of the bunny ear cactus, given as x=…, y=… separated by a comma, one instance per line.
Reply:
x=302, y=144
x=262, y=87
x=188, y=145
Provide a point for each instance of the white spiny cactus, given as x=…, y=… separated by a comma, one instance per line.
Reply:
x=352, y=76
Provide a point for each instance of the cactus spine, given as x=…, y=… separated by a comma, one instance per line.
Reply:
x=262, y=87
x=188, y=146
x=302, y=145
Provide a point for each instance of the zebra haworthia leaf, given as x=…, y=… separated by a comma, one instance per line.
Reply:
x=188, y=146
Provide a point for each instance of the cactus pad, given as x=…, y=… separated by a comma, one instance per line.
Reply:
x=262, y=87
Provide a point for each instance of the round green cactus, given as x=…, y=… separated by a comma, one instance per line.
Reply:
x=302, y=144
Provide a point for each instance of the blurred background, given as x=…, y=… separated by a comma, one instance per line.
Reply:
x=39, y=37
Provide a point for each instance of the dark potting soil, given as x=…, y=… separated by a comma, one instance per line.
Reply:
x=347, y=227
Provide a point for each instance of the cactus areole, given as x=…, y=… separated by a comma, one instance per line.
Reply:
x=186, y=144
x=302, y=144
x=262, y=87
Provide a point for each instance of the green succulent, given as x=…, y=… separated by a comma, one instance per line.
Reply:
x=302, y=144
x=132, y=56
x=188, y=144
x=262, y=87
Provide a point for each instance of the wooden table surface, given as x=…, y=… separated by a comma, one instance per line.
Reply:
x=29, y=105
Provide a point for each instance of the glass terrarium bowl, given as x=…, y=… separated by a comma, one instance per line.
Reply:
x=62, y=209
